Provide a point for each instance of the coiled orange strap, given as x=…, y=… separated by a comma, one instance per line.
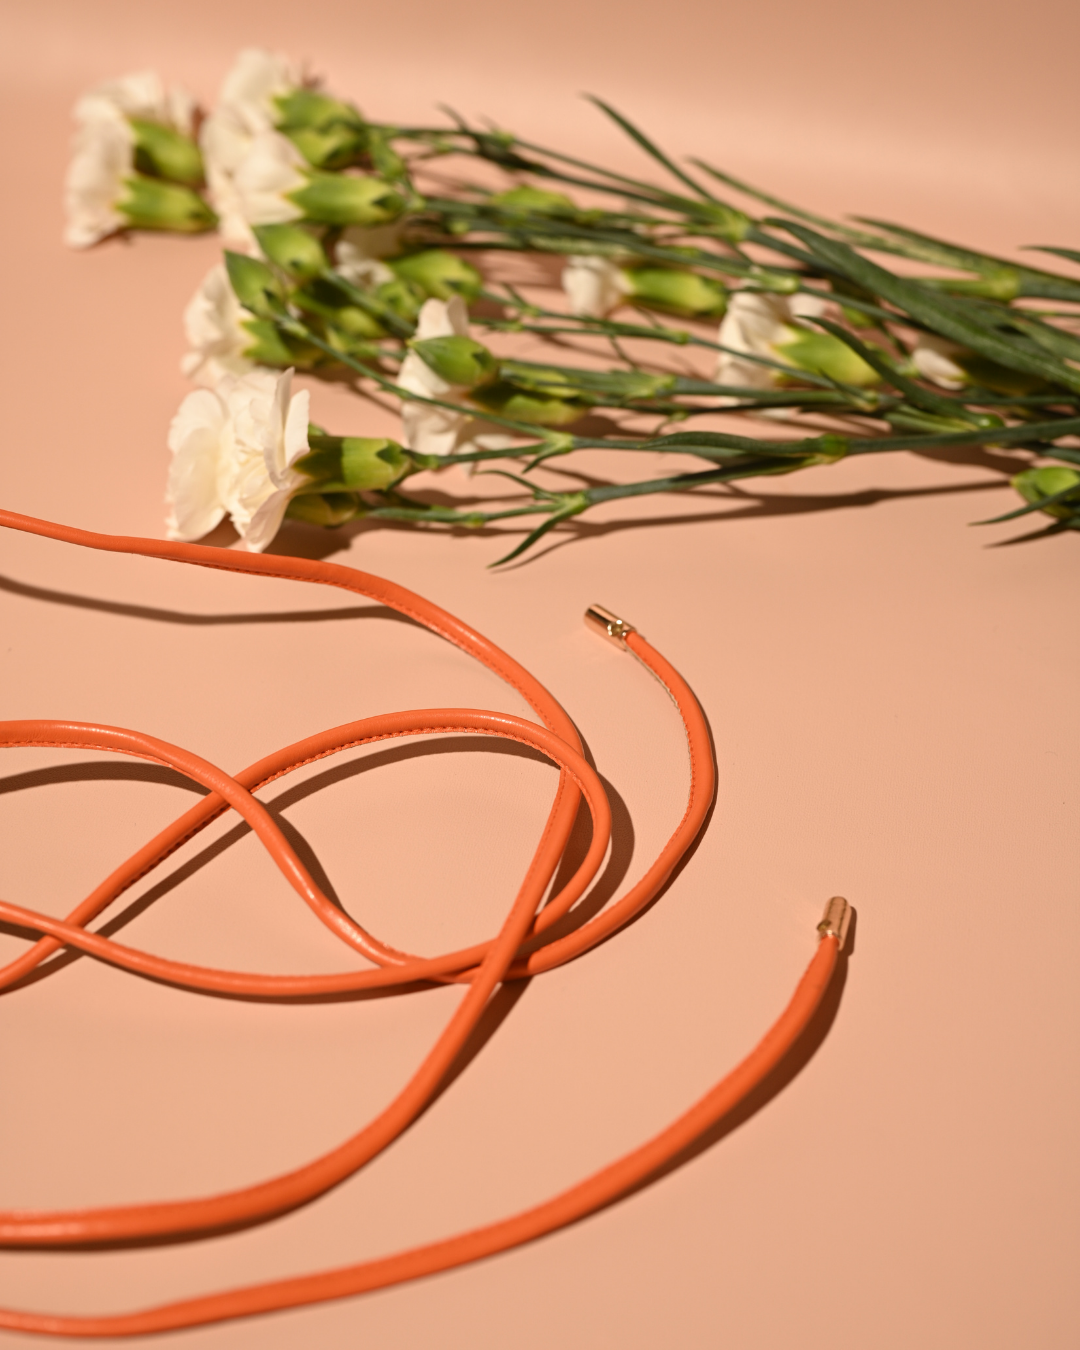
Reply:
x=516, y=951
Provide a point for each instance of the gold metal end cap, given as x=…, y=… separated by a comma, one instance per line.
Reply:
x=836, y=920
x=608, y=625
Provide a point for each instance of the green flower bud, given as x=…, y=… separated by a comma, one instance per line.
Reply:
x=824, y=354
x=439, y=274
x=997, y=283
x=292, y=248
x=355, y=322
x=400, y=298
x=333, y=148
x=534, y=201
x=150, y=204
x=339, y=199
x=460, y=361
x=510, y=401
x=538, y=379
x=675, y=292
x=329, y=510
x=728, y=222
x=255, y=285
x=1035, y=485
x=166, y=153
x=309, y=108
x=352, y=464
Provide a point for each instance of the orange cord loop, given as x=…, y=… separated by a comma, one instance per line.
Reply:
x=481, y=968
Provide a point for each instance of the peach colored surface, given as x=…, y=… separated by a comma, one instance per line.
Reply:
x=893, y=697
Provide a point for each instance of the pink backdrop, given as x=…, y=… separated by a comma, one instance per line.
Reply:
x=893, y=697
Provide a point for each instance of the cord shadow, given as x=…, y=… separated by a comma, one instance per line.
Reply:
x=156, y=615
x=789, y=1068
x=607, y=882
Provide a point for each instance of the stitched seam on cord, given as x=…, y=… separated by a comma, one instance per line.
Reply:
x=296, y=764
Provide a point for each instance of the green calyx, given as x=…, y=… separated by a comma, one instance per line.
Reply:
x=164, y=152
x=510, y=400
x=525, y=201
x=151, y=204
x=293, y=248
x=347, y=199
x=460, y=361
x=256, y=285
x=439, y=274
x=270, y=347
x=328, y=509
x=352, y=464
x=674, y=292
x=726, y=221
x=997, y=283
x=1036, y=485
x=824, y=354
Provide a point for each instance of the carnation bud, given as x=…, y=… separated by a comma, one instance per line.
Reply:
x=439, y=274
x=533, y=200
x=726, y=221
x=309, y=108
x=293, y=248
x=150, y=204
x=1035, y=485
x=824, y=354
x=255, y=285
x=339, y=199
x=676, y=292
x=401, y=298
x=510, y=401
x=334, y=147
x=461, y=361
x=166, y=153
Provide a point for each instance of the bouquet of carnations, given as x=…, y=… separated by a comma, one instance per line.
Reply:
x=432, y=265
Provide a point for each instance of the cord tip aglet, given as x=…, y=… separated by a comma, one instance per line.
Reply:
x=608, y=625
x=836, y=920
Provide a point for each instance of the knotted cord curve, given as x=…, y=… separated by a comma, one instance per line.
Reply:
x=481, y=967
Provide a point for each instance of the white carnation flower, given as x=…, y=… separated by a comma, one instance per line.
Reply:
x=756, y=323
x=213, y=323
x=234, y=448
x=103, y=158
x=270, y=169
x=249, y=89
x=935, y=360
x=248, y=164
x=428, y=430
x=142, y=94
x=248, y=178
x=593, y=285
x=103, y=151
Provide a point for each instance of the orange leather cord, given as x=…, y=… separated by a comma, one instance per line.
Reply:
x=516, y=951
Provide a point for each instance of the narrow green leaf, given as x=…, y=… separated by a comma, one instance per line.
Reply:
x=943, y=314
x=650, y=147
